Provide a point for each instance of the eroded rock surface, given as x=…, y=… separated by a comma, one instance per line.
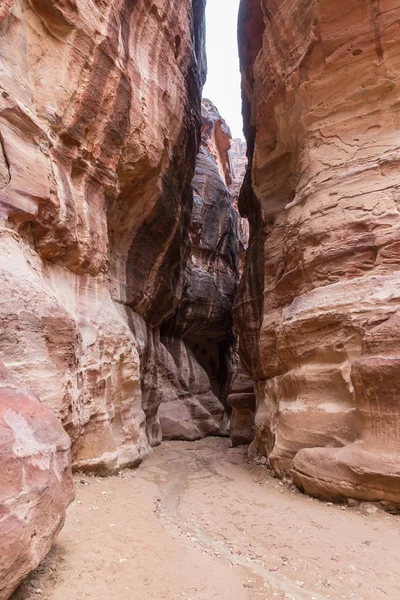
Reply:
x=319, y=300
x=199, y=338
x=242, y=403
x=100, y=128
x=35, y=481
x=238, y=155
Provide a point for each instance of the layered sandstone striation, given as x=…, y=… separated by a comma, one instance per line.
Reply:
x=238, y=156
x=242, y=403
x=35, y=481
x=318, y=305
x=199, y=337
x=100, y=128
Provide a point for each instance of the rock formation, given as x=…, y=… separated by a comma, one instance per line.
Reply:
x=317, y=310
x=118, y=269
x=241, y=399
x=199, y=337
x=238, y=155
x=238, y=158
x=100, y=127
x=35, y=481
x=242, y=403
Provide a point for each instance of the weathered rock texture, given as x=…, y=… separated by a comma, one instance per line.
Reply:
x=100, y=128
x=238, y=156
x=242, y=403
x=241, y=399
x=199, y=337
x=35, y=482
x=317, y=311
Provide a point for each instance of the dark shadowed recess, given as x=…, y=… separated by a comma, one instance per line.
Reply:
x=155, y=295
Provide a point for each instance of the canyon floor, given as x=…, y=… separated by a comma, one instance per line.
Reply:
x=199, y=521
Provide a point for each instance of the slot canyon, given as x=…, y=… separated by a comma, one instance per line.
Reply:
x=199, y=358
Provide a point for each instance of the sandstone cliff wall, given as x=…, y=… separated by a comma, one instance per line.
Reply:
x=199, y=337
x=99, y=130
x=35, y=481
x=317, y=310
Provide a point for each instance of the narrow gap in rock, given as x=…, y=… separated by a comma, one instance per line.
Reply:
x=194, y=329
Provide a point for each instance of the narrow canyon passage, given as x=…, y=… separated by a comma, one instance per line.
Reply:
x=199, y=333
x=200, y=521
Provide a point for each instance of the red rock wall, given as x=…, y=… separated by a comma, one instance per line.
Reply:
x=318, y=303
x=100, y=127
x=35, y=481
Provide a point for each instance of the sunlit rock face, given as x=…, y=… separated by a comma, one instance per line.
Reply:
x=199, y=337
x=318, y=304
x=100, y=128
x=35, y=481
x=238, y=156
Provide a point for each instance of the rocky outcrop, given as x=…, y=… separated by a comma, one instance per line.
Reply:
x=369, y=468
x=241, y=399
x=242, y=403
x=35, y=482
x=199, y=337
x=100, y=128
x=318, y=304
x=238, y=156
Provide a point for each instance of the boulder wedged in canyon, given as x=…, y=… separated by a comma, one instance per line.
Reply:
x=199, y=337
x=321, y=83
x=35, y=482
x=100, y=116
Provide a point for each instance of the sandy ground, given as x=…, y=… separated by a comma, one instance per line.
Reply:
x=200, y=521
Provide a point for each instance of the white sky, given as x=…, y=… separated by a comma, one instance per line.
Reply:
x=223, y=80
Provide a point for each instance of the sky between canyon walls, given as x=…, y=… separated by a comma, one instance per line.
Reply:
x=223, y=80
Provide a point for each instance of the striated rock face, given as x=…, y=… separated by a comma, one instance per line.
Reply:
x=238, y=156
x=241, y=401
x=100, y=127
x=318, y=304
x=35, y=482
x=199, y=337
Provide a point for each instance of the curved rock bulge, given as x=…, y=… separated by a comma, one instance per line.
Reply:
x=35, y=481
